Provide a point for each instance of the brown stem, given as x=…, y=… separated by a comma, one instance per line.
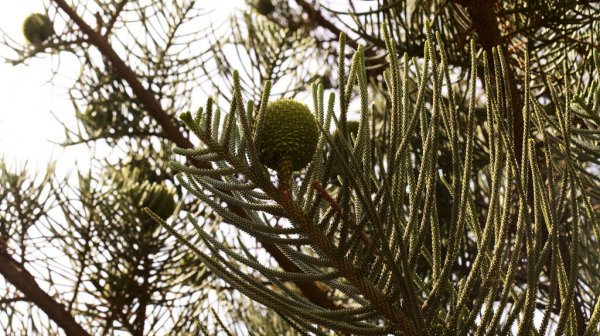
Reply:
x=311, y=290
x=338, y=208
x=14, y=299
x=113, y=18
x=19, y=277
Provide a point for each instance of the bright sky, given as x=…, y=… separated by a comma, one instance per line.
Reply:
x=26, y=123
x=28, y=130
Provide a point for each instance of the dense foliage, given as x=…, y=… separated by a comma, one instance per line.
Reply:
x=450, y=186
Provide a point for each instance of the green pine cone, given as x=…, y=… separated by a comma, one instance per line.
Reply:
x=264, y=7
x=161, y=200
x=286, y=130
x=155, y=196
x=37, y=28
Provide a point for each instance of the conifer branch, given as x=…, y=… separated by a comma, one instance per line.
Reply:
x=446, y=209
x=312, y=291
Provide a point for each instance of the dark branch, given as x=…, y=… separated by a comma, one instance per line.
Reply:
x=19, y=277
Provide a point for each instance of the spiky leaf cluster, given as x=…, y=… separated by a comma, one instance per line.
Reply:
x=338, y=139
x=380, y=239
x=466, y=205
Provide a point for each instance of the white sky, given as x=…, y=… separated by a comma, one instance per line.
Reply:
x=26, y=124
x=29, y=133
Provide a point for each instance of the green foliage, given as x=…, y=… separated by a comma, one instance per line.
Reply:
x=338, y=140
x=465, y=198
x=23, y=201
x=386, y=242
x=128, y=261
